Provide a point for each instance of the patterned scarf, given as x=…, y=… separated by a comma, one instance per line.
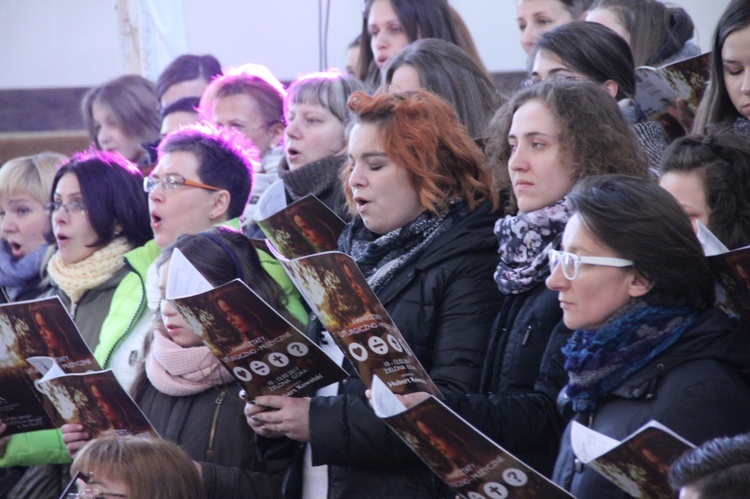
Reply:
x=178, y=371
x=525, y=241
x=15, y=273
x=77, y=278
x=380, y=257
x=599, y=361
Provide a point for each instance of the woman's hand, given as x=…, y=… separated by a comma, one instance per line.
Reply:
x=274, y=416
x=74, y=437
x=251, y=411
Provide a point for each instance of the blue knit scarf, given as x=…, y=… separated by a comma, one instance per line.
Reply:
x=599, y=361
x=15, y=273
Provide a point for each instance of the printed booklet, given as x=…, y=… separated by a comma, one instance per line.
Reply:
x=340, y=297
x=265, y=352
x=302, y=228
x=48, y=376
x=658, y=89
x=95, y=400
x=474, y=466
x=639, y=465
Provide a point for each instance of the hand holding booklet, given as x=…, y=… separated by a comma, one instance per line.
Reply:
x=265, y=353
x=474, y=466
x=48, y=376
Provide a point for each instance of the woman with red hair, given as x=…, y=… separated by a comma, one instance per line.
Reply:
x=424, y=207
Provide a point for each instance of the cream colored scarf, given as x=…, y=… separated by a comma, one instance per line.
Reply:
x=77, y=278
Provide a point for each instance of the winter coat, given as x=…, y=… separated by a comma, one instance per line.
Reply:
x=444, y=304
x=698, y=388
x=523, y=373
x=210, y=427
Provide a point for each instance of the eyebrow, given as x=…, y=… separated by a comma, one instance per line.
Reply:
x=531, y=134
x=372, y=154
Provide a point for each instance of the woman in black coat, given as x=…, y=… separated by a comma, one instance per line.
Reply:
x=423, y=239
x=544, y=139
x=635, y=287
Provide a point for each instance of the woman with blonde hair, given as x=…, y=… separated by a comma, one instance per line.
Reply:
x=25, y=184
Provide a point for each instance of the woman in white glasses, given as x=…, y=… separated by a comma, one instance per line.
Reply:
x=636, y=289
x=542, y=141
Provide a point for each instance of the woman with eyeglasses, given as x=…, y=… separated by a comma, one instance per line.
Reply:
x=135, y=467
x=99, y=217
x=633, y=284
x=543, y=140
x=583, y=51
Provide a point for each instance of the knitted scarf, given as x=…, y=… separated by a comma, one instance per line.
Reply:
x=599, y=361
x=525, y=240
x=380, y=257
x=312, y=178
x=15, y=273
x=77, y=278
x=178, y=371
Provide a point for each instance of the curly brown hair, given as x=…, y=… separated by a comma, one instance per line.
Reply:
x=593, y=132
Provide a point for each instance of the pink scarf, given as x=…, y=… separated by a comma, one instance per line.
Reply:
x=178, y=371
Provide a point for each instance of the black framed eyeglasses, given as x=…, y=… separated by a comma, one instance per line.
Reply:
x=171, y=182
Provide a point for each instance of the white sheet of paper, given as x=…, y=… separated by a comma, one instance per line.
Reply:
x=184, y=279
x=588, y=444
x=272, y=201
x=384, y=402
x=711, y=244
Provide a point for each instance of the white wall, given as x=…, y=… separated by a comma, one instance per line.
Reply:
x=74, y=43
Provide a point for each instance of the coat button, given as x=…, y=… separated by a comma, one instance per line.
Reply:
x=578, y=466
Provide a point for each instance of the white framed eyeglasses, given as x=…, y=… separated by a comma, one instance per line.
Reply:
x=572, y=262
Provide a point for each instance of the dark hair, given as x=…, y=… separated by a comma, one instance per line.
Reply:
x=184, y=104
x=643, y=223
x=223, y=162
x=421, y=133
x=723, y=162
x=593, y=50
x=445, y=69
x=185, y=68
x=593, y=131
x=418, y=18
x=719, y=468
x=133, y=102
x=112, y=190
x=221, y=255
x=657, y=31
x=716, y=106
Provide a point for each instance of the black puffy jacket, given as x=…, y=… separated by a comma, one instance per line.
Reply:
x=516, y=406
x=698, y=388
x=443, y=304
